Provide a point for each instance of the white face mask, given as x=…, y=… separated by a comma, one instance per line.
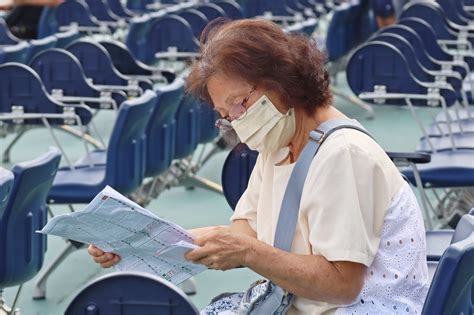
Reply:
x=264, y=128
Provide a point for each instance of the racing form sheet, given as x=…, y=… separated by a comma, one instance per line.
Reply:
x=144, y=241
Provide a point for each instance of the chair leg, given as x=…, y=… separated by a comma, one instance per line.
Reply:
x=6, y=153
x=197, y=181
x=39, y=290
x=354, y=100
x=4, y=309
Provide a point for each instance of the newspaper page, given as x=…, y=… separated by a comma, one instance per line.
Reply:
x=144, y=241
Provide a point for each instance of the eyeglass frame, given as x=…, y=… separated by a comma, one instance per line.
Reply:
x=224, y=123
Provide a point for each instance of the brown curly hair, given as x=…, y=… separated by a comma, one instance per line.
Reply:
x=260, y=53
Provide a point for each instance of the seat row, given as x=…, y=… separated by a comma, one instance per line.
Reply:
x=416, y=64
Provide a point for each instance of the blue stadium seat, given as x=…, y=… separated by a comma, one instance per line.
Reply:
x=125, y=165
x=139, y=6
x=47, y=25
x=187, y=128
x=161, y=129
x=119, y=9
x=124, y=171
x=16, y=53
x=207, y=122
x=138, y=293
x=21, y=248
x=25, y=89
x=100, y=10
x=438, y=241
x=196, y=19
x=76, y=11
x=98, y=66
x=147, y=37
x=66, y=38
x=125, y=63
x=211, y=11
x=236, y=172
x=231, y=8
x=453, y=282
x=6, y=37
x=60, y=70
x=39, y=45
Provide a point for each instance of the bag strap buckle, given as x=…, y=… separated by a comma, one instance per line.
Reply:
x=317, y=136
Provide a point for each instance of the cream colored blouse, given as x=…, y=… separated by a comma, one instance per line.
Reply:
x=349, y=187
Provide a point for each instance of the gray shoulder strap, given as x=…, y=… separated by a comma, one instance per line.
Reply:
x=290, y=206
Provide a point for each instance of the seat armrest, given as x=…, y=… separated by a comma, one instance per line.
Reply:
x=412, y=157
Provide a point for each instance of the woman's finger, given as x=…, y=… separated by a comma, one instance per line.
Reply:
x=104, y=258
x=111, y=263
x=196, y=254
x=94, y=251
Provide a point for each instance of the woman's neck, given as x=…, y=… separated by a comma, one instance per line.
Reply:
x=305, y=124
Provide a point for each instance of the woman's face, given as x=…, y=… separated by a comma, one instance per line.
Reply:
x=228, y=93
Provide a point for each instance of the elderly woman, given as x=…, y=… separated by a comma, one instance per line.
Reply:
x=359, y=243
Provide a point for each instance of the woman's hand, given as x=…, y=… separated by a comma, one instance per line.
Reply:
x=106, y=260
x=221, y=249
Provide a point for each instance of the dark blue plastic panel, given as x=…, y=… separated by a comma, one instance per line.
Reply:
x=128, y=293
x=22, y=249
x=21, y=86
x=40, y=45
x=453, y=282
x=6, y=37
x=236, y=172
x=187, y=128
x=447, y=169
x=125, y=162
x=161, y=129
x=76, y=11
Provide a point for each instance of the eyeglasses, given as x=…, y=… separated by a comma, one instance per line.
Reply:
x=236, y=112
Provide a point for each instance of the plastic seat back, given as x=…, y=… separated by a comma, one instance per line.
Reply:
x=67, y=38
x=16, y=53
x=416, y=42
x=40, y=45
x=22, y=250
x=464, y=228
x=161, y=129
x=6, y=37
x=207, y=123
x=338, y=39
x=196, y=19
x=21, y=86
x=48, y=24
x=60, y=70
x=139, y=5
x=117, y=7
x=101, y=11
x=76, y=11
x=455, y=12
x=254, y=8
x=136, y=293
x=187, y=127
x=381, y=64
x=169, y=32
x=453, y=282
x=96, y=62
x=231, y=8
x=211, y=11
x=236, y=172
x=126, y=153
x=123, y=59
x=428, y=12
x=6, y=184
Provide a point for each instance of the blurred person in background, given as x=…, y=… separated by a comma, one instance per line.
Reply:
x=24, y=15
